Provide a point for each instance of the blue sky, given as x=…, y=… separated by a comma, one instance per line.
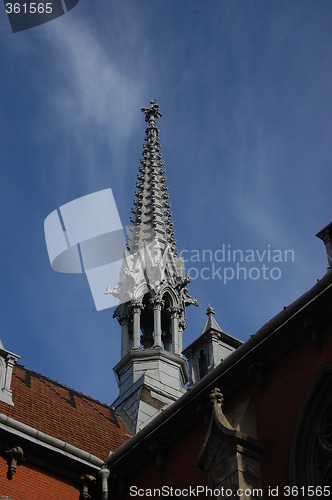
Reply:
x=245, y=92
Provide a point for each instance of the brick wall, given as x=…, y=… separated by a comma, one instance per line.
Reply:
x=29, y=483
x=278, y=407
x=178, y=470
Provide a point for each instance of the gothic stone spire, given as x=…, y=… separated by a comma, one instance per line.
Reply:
x=153, y=296
x=151, y=212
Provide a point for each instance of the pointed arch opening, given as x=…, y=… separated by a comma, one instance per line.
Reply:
x=147, y=322
x=202, y=363
x=166, y=333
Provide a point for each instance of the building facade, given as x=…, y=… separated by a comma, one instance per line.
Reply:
x=218, y=419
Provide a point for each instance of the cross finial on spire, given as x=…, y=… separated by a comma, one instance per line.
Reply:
x=152, y=112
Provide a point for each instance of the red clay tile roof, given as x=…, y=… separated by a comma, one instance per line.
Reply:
x=64, y=413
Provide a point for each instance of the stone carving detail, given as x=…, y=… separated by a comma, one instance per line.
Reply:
x=15, y=456
x=229, y=455
x=157, y=303
x=88, y=483
x=216, y=397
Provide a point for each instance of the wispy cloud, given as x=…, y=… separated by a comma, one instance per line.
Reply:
x=90, y=103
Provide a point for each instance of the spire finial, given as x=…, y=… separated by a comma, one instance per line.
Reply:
x=152, y=112
x=210, y=310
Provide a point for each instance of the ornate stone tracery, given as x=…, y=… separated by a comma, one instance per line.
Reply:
x=311, y=456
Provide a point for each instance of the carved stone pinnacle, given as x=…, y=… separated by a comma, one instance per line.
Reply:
x=152, y=112
x=216, y=397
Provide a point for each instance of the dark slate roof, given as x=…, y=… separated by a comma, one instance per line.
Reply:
x=64, y=413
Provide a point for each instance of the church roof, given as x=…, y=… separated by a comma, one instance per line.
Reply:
x=64, y=413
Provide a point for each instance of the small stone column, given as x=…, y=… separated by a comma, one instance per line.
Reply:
x=125, y=344
x=175, y=330
x=157, y=305
x=181, y=328
x=190, y=357
x=137, y=308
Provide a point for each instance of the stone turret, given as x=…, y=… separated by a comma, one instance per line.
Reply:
x=153, y=295
x=209, y=349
